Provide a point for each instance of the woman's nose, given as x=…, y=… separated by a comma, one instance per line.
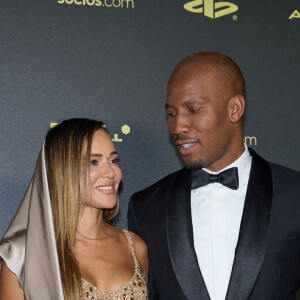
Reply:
x=107, y=171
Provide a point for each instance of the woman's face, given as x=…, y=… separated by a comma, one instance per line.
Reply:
x=105, y=172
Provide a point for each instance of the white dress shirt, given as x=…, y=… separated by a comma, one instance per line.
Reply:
x=216, y=217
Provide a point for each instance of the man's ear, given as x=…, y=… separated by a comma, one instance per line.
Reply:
x=236, y=108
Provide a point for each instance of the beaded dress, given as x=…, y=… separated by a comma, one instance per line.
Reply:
x=133, y=289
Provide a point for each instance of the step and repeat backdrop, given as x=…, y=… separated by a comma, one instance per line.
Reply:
x=111, y=59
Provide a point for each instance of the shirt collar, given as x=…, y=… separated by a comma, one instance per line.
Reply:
x=243, y=163
x=240, y=163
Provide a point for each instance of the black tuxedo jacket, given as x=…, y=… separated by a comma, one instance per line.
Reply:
x=267, y=256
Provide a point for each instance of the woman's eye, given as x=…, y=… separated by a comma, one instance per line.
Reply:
x=94, y=162
x=114, y=161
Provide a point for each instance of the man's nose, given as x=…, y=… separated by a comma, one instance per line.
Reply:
x=179, y=124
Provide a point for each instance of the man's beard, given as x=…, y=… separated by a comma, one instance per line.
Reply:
x=192, y=165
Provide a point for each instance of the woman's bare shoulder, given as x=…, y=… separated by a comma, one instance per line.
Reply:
x=9, y=286
x=139, y=243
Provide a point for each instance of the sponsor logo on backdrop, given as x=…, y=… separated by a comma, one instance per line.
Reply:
x=116, y=137
x=211, y=8
x=295, y=14
x=104, y=3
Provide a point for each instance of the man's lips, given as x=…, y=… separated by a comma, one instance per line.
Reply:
x=186, y=147
x=108, y=188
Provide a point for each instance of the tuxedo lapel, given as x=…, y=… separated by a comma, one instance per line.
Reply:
x=254, y=229
x=180, y=239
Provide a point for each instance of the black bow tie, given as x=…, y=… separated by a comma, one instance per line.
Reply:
x=229, y=178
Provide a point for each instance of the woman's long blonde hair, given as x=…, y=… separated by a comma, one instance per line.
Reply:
x=67, y=153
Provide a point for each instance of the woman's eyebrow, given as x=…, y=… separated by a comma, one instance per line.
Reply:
x=100, y=155
x=96, y=155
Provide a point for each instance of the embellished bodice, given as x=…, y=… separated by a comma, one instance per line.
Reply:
x=133, y=289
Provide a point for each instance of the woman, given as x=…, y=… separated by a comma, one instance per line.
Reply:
x=73, y=252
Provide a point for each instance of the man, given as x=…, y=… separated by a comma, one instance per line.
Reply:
x=227, y=226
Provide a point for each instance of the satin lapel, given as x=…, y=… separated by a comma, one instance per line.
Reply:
x=180, y=239
x=254, y=230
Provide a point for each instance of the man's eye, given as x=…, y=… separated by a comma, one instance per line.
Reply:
x=194, y=109
x=171, y=114
x=94, y=162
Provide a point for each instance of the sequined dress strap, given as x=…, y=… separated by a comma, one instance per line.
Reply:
x=130, y=242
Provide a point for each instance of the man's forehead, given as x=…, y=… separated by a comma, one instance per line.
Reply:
x=194, y=74
x=186, y=84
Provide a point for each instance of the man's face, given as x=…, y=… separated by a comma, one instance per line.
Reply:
x=198, y=119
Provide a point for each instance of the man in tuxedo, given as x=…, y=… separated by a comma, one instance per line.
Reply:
x=226, y=226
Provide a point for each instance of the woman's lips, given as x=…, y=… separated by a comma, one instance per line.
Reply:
x=106, y=188
x=186, y=148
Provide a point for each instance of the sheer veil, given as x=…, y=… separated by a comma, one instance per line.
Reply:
x=28, y=246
